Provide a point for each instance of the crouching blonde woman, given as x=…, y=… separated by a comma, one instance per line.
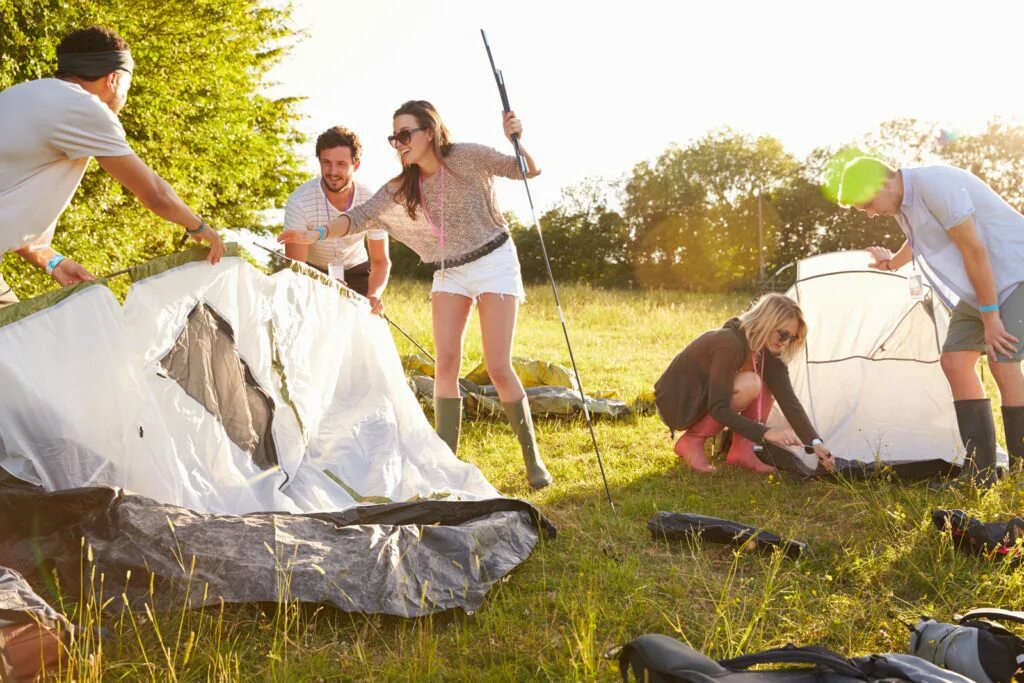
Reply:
x=730, y=377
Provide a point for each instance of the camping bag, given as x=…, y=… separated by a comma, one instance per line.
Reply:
x=678, y=526
x=656, y=658
x=999, y=540
x=979, y=649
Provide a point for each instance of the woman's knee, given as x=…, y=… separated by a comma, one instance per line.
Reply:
x=447, y=364
x=745, y=389
x=501, y=374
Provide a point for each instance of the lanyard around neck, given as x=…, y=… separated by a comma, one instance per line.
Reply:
x=327, y=203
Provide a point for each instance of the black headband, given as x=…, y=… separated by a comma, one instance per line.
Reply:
x=94, y=64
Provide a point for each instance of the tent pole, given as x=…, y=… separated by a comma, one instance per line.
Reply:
x=547, y=263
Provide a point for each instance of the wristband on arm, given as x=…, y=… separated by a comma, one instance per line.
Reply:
x=202, y=226
x=322, y=229
x=53, y=263
x=991, y=308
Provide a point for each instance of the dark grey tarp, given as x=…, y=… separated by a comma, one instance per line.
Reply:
x=908, y=470
x=405, y=559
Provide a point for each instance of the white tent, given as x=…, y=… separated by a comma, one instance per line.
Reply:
x=259, y=424
x=869, y=374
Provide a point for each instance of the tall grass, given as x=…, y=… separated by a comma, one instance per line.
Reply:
x=875, y=562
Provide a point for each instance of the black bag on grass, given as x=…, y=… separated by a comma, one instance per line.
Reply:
x=677, y=526
x=999, y=540
x=981, y=650
x=656, y=658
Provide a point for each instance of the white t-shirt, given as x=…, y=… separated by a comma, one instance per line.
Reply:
x=49, y=129
x=937, y=198
x=308, y=207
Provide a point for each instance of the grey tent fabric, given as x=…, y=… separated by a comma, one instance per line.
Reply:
x=481, y=401
x=204, y=360
x=404, y=559
x=20, y=604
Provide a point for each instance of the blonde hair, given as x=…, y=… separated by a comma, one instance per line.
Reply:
x=768, y=314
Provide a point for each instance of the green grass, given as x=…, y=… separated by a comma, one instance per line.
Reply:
x=875, y=563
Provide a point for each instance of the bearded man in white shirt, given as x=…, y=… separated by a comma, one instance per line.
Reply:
x=321, y=200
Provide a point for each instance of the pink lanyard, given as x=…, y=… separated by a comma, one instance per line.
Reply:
x=760, y=394
x=439, y=234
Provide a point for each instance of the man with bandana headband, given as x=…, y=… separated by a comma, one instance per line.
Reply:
x=51, y=128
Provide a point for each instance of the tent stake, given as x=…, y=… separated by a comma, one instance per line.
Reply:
x=499, y=79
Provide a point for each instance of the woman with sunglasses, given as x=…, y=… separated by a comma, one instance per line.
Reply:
x=728, y=378
x=442, y=206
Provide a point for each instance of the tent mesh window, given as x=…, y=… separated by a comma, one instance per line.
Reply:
x=204, y=361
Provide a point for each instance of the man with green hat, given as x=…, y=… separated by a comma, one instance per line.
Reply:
x=969, y=244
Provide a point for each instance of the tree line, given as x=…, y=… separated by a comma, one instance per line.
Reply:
x=713, y=214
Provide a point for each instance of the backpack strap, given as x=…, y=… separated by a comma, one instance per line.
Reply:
x=992, y=613
x=791, y=654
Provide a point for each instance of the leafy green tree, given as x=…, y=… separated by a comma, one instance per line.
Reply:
x=701, y=217
x=196, y=113
x=586, y=240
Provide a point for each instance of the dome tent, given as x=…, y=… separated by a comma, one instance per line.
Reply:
x=869, y=374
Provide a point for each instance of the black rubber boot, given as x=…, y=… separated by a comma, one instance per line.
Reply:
x=518, y=413
x=978, y=431
x=1013, y=428
x=448, y=421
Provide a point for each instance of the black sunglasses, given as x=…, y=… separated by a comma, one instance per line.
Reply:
x=403, y=136
x=785, y=337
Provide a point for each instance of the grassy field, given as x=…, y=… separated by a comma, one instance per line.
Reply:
x=876, y=561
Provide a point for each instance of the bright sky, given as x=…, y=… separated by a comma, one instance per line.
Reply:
x=601, y=86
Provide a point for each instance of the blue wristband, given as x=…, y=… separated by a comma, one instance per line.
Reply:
x=991, y=308
x=53, y=263
x=323, y=232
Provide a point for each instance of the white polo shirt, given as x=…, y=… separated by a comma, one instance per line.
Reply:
x=937, y=198
x=49, y=129
x=308, y=207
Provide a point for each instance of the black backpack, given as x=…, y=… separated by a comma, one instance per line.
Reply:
x=656, y=658
x=979, y=649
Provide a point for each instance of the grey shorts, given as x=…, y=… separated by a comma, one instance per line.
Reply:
x=967, y=332
x=6, y=293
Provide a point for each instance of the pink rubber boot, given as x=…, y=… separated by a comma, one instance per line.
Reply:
x=741, y=451
x=690, y=446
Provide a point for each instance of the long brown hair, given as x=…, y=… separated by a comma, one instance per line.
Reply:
x=428, y=119
x=768, y=314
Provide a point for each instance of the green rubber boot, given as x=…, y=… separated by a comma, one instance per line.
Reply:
x=448, y=421
x=518, y=413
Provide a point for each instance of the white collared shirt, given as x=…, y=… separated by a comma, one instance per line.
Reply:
x=937, y=198
x=308, y=207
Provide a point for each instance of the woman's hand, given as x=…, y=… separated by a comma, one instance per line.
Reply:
x=997, y=339
x=299, y=237
x=825, y=456
x=782, y=437
x=881, y=256
x=513, y=126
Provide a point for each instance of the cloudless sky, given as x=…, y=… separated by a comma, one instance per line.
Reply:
x=601, y=86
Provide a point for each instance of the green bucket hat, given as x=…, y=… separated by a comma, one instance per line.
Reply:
x=861, y=180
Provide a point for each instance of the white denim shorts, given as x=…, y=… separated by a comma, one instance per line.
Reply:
x=495, y=273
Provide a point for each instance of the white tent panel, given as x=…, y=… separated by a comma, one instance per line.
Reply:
x=102, y=410
x=869, y=375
